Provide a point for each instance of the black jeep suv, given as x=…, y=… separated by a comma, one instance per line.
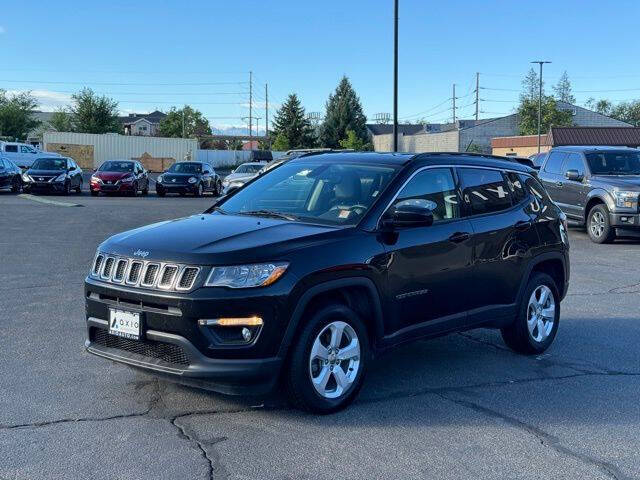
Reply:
x=308, y=271
x=596, y=186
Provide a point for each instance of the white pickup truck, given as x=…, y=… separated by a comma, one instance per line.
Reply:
x=23, y=154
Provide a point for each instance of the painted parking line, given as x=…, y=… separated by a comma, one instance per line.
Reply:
x=57, y=203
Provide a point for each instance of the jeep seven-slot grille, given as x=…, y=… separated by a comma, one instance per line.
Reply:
x=167, y=352
x=144, y=273
x=187, y=278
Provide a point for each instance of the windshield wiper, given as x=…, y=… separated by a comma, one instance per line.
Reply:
x=269, y=213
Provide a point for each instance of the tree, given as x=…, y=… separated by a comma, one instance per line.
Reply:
x=92, y=113
x=602, y=106
x=16, y=120
x=627, y=112
x=531, y=86
x=62, y=121
x=353, y=142
x=291, y=122
x=551, y=115
x=344, y=112
x=562, y=89
x=195, y=123
x=234, y=144
x=281, y=143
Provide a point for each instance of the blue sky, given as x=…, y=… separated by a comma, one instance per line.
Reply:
x=151, y=55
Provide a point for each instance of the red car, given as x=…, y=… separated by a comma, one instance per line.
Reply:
x=120, y=176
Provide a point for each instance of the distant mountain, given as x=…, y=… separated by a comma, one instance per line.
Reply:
x=234, y=131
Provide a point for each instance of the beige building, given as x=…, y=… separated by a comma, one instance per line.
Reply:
x=519, y=146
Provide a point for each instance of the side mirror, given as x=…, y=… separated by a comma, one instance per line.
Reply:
x=411, y=213
x=574, y=175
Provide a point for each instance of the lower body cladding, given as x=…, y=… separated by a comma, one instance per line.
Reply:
x=180, y=337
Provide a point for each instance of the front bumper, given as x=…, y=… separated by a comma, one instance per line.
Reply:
x=175, y=345
x=625, y=224
x=111, y=188
x=178, y=188
x=45, y=186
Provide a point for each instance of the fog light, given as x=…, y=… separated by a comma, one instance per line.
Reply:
x=246, y=334
x=232, y=322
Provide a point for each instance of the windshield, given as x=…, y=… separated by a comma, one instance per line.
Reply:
x=248, y=168
x=116, y=167
x=334, y=194
x=614, y=163
x=50, y=164
x=186, y=168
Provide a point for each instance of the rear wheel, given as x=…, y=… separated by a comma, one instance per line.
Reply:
x=327, y=364
x=598, y=225
x=538, y=316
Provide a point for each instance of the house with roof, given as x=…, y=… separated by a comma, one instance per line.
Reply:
x=472, y=135
x=145, y=124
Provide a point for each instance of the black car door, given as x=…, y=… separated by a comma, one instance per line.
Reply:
x=504, y=236
x=429, y=269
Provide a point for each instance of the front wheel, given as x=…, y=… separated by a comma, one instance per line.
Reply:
x=67, y=188
x=199, y=191
x=537, y=319
x=160, y=193
x=79, y=188
x=16, y=185
x=329, y=360
x=598, y=225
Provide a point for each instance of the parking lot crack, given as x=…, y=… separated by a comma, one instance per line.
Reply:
x=543, y=437
x=48, y=423
x=215, y=468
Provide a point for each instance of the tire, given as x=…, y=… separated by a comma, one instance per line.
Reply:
x=534, y=337
x=67, y=188
x=16, y=185
x=160, y=193
x=134, y=193
x=298, y=378
x=199, y=191
x=146, y=190
x=79, y=188
x=598, y=225
x=94, y=193
x=218, y=191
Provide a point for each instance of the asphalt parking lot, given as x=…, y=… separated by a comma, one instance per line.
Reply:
x=461, y=406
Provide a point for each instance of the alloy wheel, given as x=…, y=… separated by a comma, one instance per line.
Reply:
x=541, y=313
x=334, y=360
x=597, y=224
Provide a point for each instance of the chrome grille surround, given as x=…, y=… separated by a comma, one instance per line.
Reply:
x=147, y=274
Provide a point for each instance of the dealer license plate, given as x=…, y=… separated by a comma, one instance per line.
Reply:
x=124, y=324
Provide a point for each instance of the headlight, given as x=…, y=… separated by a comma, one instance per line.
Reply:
x=159, y=180
x=60, y=178
x=26, y=178
x=192, y=180
x=95, y=179
x=126, y=179
x=626, y=199
x=246, y=276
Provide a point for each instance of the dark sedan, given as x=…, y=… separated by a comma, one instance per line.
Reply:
x=120, y=176
x=10, y=175
x=53, y=174
x=189, y=177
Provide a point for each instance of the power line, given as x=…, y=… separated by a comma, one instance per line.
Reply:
x=427, y=110
x=51, y=82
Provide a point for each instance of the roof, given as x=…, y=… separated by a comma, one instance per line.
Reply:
x=366, y=157
x=251, y=145
x=403, y=129
x=614, y=136
x=593, y=148
x=153, y=117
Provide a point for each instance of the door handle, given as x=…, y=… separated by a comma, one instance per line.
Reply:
x=523, y=225
x=459, y=237
x=559, y=183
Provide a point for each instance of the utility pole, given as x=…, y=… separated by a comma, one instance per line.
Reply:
x=183, y=111
x=477, y=94
x=540, y=62
x=250, y=102
x=395, y=75
x=266, y=111
x=454, y=104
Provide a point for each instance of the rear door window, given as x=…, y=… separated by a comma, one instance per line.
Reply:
x=11, y=148
x=484, y=191
x=554, y=162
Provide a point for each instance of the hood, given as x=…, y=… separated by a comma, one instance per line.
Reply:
x=209, y=239
x=239, y=177
x=631, y=182
x=45, y=173
x=111, y=176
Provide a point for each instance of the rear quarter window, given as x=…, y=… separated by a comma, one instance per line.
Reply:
x=484, y=191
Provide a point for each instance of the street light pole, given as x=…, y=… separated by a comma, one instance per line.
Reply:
x=395, y=76
x=540, y=62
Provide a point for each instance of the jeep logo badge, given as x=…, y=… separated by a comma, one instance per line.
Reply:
x=141, y=253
